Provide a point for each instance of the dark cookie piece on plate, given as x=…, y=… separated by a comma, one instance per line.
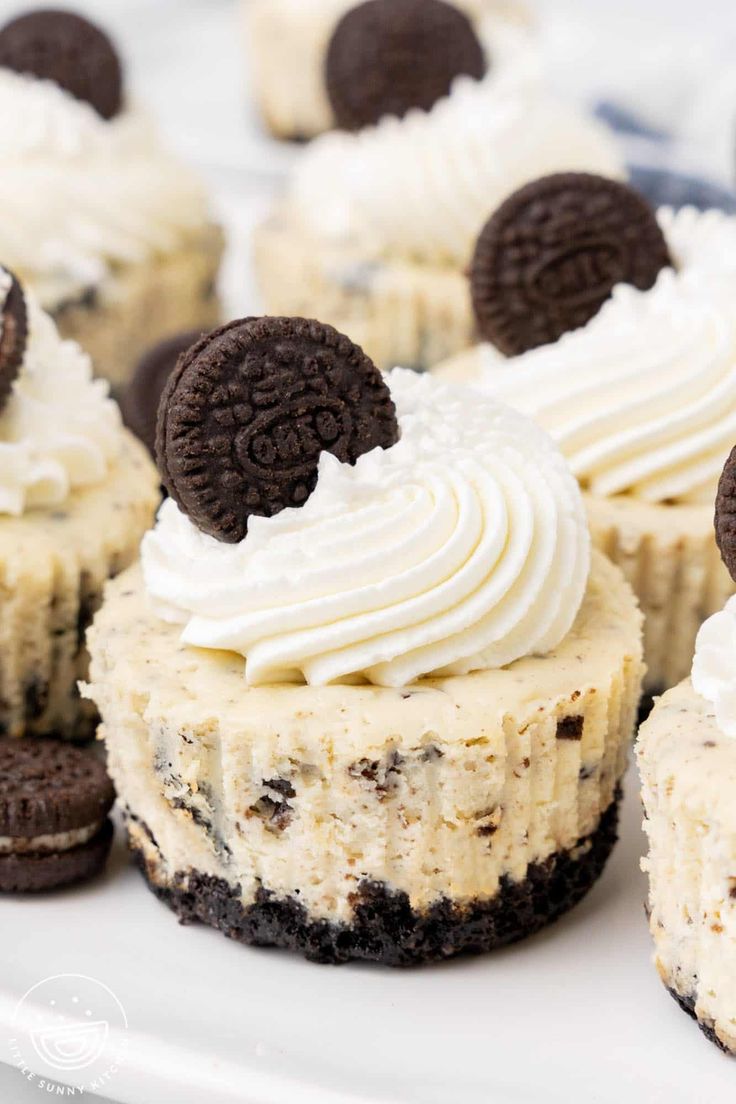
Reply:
x=65, y=48
x=725, y=519
x=388, y=56
x=250, y=408
x=54, y=805
x=139, y=403
x=552, y=253
x=13, y=331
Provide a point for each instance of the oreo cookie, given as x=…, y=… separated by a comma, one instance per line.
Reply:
x=139, y=404
x=725, y=519
x=65, y=48
x=550, y=256
x=388, y=56
x=248, y=411
x=13, y=331
x=54, y=805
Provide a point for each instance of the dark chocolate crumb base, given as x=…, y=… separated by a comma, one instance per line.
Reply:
x=385, y=928
x=687, y=1004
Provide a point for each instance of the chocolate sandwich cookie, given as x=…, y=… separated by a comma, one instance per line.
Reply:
x=54, y=805
x=389, y=56
x=70, y=51
x=550, y=256
x=725, y=519
x=13, y=331
x=249, y=410
x=139, y=404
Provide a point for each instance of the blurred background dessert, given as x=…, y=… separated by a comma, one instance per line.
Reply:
x=288, y=43
x=112, y=232
x=376, y=227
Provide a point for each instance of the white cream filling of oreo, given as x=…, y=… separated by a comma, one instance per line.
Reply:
x=52, y=841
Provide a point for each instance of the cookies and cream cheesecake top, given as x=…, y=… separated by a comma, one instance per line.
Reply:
x=328, y=524
x=421, y=186
x=86, y=184
x=641, y=396
x=59, y=429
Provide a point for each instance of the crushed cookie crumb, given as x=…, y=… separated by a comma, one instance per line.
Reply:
x=276, y=815
x=570, y=728
x=382, y=774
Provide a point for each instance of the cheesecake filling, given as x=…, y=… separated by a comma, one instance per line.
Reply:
x=463, y=547
x=49, y=842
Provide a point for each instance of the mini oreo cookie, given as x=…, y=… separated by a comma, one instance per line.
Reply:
x=250, y=408
x=65, y=48
x=725, y=519
x=54, y=801
x=550, y=256
x=13, y=331
x=140, y=401
x=388, y=56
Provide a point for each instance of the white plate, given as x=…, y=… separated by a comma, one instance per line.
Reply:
x=575, y=1014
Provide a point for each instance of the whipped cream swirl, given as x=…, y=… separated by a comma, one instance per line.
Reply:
x=462, y=547
x=59, y=430
x=424, y=185
x=714, y=666
x=641, y=400
x=704, y=241
x=79, y=193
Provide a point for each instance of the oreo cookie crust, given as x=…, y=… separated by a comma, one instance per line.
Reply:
x=385, y=928
x=139, y=404
x=687, y=1004
x=550, y=256
x=67, y=49
x=13, y=331
x=54, y=801
x=389, y=56
x=250, y=408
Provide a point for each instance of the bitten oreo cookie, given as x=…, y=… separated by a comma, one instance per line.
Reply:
x=388, y=56
x=139, y=403
x=65, y=48
x=550, y=256
x=54, y=801
x=13, y=331
x=725, y=520
x=250, y=408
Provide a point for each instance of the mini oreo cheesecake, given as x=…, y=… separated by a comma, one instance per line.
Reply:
x=307, y=56
x=636, y=383
x=77, y=492
x=112, y=233
x=369, y=696
x=377, y=226
x=687, y=758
